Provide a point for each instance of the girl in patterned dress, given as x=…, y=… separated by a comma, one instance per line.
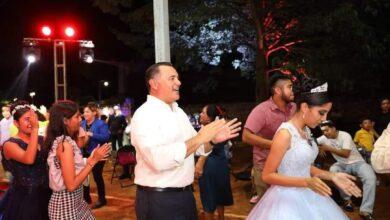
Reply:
x=67, y=169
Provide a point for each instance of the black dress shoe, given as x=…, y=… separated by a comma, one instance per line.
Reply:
x=88, y=200
x=125, y=176
x=366, y=216
x=99, y=204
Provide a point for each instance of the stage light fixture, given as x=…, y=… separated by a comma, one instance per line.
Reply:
x=31, y=58
x=31, y=51
x=69, y=31
x=86, y=52
x=46, y=31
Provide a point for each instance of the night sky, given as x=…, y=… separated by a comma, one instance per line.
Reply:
x=23, y=18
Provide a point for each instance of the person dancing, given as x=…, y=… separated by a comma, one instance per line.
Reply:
x=213, y=171
x=297, y=190
x=67, y=169
x=25, y=157
x=98, y=134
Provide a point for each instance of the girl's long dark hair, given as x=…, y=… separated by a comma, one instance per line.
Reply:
x=56, y=127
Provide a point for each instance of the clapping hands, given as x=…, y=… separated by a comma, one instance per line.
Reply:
x=219, y=131
x=100, y=152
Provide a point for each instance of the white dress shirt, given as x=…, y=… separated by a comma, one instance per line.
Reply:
x=159, y=132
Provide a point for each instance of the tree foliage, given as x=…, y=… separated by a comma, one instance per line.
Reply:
x=343, y=42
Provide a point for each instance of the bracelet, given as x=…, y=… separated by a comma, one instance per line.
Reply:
x=90, y=164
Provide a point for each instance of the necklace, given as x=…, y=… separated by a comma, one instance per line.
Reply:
x=301, y=132
x=304, y=134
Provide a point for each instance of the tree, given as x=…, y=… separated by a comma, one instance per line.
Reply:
x=344, y=42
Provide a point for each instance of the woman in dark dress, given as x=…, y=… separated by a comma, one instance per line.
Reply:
x=213, y=172
x=25, y=157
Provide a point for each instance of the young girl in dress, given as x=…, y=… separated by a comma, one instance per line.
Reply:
x=67, y=169
x=297, y=191
x=25, y=157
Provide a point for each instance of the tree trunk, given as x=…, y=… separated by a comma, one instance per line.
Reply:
x=261, y=86
x=258, y=14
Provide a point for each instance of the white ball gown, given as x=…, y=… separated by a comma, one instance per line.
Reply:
x=296, y=203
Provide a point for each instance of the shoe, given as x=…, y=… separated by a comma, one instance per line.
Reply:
x=366, y=216
x=86, y=195
x=99, y=204
x=348, y=206
x=89, y=201
x=125, y=176
x=254, y=199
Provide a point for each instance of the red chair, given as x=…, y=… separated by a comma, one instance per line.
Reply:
x=125, y=156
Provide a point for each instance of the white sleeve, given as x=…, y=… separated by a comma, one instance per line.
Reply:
x=380, y=157
x=159, y=156
x=201, y=152
x=191, y=130
x=321, y=140
x=346, y=141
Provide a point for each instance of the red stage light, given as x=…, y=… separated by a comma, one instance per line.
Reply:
x=69, y=31
x=46, y=31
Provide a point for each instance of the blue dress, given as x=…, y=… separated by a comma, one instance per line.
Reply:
x=29, y=193
x=214, y=184
x=296, y=203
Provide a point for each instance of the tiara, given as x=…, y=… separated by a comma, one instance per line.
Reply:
x=321, y=88
x=18, y=107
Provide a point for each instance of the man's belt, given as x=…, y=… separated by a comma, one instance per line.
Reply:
x=167, y=189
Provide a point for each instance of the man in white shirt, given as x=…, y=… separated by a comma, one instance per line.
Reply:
x=165, y=142
x=5, y=124
x=349, y=160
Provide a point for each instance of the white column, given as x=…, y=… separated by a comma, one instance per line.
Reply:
x=161, y=31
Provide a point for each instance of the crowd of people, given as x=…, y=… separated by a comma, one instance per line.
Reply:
x=50, y=154
x=275, y=132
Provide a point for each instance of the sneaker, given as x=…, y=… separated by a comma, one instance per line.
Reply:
x=348, y=206
x=254, y=199
x=366, y=216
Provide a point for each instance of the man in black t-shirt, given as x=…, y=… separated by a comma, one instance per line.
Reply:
x=382, y=119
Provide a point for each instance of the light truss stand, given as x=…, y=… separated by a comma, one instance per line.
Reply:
x=60, y=89
x=59, y=70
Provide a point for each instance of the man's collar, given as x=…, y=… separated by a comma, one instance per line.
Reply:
x=155, y=100
x=274, y=106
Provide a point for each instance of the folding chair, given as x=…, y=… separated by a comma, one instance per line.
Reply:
x=125, y=156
